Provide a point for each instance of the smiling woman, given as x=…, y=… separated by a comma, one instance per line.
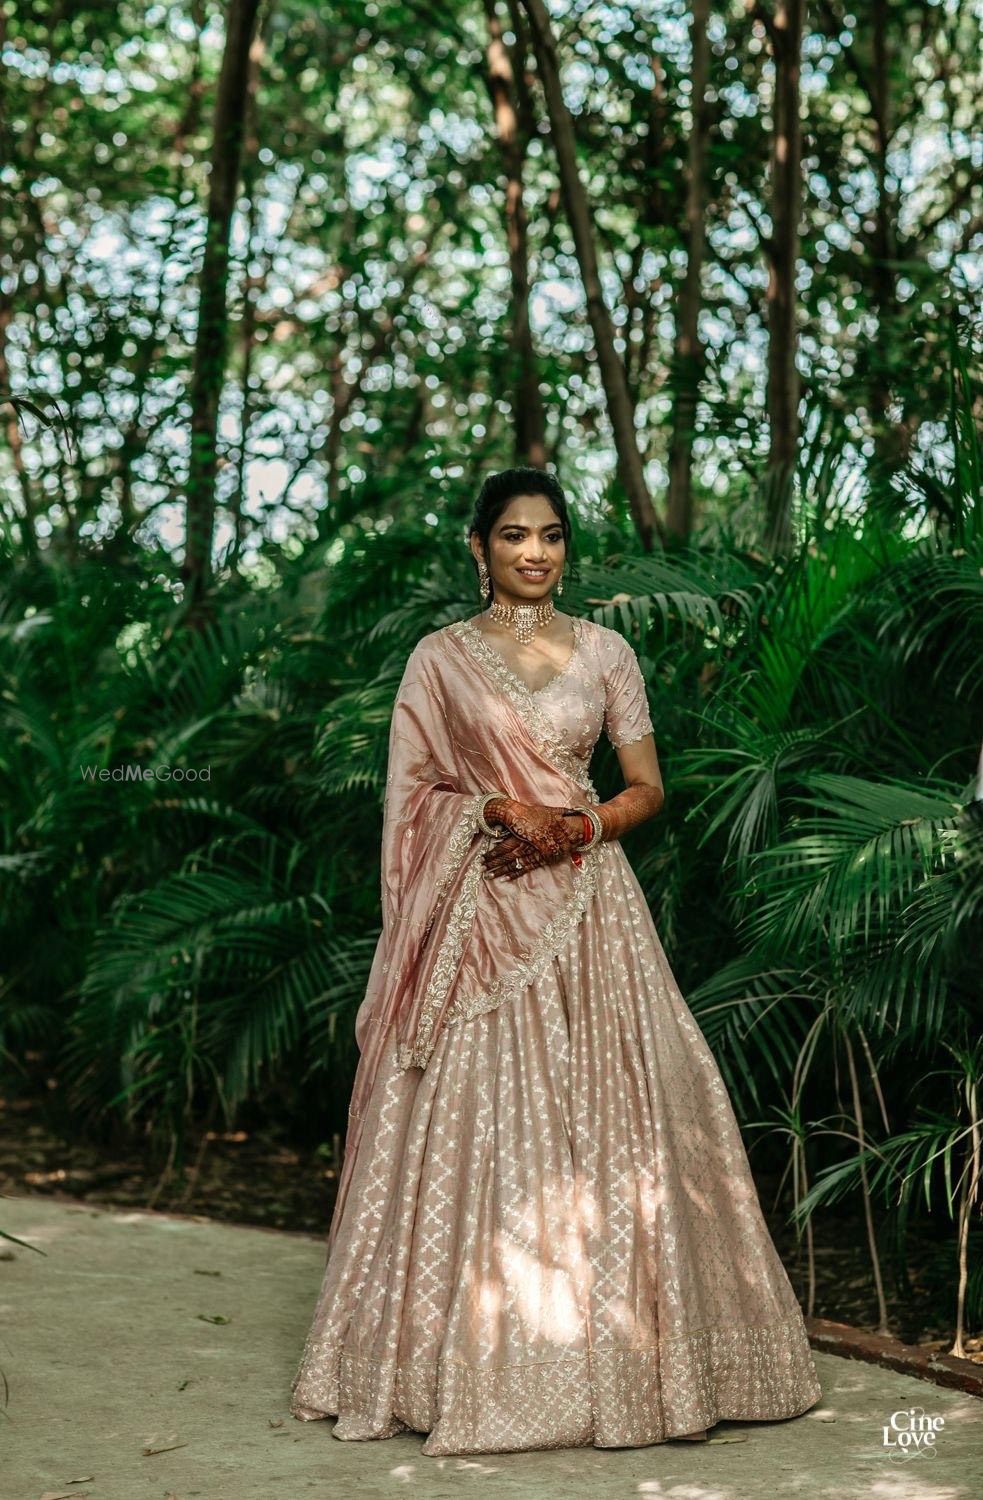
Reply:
x=546, y=1232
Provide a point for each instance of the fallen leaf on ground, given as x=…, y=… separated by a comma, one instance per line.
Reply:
x=729, y=1437
x=216, y=1318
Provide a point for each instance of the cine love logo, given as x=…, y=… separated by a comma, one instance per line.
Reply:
x=910, y=1433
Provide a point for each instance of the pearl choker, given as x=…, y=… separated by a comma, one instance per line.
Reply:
x=522, y=618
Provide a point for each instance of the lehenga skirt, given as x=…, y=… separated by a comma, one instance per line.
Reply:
x=552, y=1236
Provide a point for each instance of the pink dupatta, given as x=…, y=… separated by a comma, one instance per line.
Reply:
x=454, y=944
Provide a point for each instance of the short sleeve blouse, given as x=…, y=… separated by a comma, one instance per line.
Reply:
x=626, y=710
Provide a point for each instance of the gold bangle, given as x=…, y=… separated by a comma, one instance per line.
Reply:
x=496, y=833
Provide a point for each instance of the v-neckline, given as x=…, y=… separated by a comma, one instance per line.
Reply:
x=514, y=677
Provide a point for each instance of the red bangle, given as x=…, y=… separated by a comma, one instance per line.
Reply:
x=588, y=832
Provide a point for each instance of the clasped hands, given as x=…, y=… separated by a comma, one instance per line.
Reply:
x=536, y=836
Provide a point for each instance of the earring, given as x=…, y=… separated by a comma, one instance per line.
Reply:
x=559, y=584
x=484, y=587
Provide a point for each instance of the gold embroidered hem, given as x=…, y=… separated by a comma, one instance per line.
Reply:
x=553, y=1236
x=605, y=1397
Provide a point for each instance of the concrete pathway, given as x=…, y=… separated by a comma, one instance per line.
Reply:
x=108, y=1351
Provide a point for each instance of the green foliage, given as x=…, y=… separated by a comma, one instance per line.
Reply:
x=815, y=718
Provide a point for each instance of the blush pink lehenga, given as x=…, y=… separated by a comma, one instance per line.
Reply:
x=547, y=1234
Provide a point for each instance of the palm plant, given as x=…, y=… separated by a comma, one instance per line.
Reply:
x=938, y=1143
x=178, y=949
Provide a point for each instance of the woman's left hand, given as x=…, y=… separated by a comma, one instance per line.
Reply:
x=501, y=858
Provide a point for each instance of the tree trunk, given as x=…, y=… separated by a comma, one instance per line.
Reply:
x=689, y=350
x=612, y=370
x=652, y=214
x=12, y=430
x=10, y=423
x=251, y=287
x=29, y=245
x=208, y=370
x=891, y=439
x=877, y=360
x=136, y=432
x=785, y=31
x=529, y=421
x=344, y=391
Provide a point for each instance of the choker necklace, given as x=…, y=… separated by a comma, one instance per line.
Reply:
x=522, y=618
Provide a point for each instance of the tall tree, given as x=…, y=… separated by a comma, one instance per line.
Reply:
x=12, y=432
x=612, y=369
x=878, y=65
x=252, y=284
x=513, y=123
x=784, y=25
x=211, y=343
x=689, y=354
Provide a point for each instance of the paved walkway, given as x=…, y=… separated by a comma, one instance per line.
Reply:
x=107, y=1348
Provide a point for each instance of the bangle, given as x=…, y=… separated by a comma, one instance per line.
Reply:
x=593, y=827
x=596, y=824
x=496, y=833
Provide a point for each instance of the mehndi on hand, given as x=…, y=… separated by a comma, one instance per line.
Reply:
x=538, y=836
x=541, y=835
x=542, y=827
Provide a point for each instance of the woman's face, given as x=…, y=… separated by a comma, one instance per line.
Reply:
x=526, y=550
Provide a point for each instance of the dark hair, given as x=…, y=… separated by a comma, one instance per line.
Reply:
x=499, y=489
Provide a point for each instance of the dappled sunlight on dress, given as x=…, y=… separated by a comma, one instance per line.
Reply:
x=551, y=1236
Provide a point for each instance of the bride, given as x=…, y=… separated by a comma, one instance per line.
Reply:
x=546, y=1233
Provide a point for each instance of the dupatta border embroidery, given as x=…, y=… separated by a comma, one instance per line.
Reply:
x=417, y=1053
x=532, y=964
x=457, y=847
x=529, y=967
x=458, y=925
x=523, y=700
